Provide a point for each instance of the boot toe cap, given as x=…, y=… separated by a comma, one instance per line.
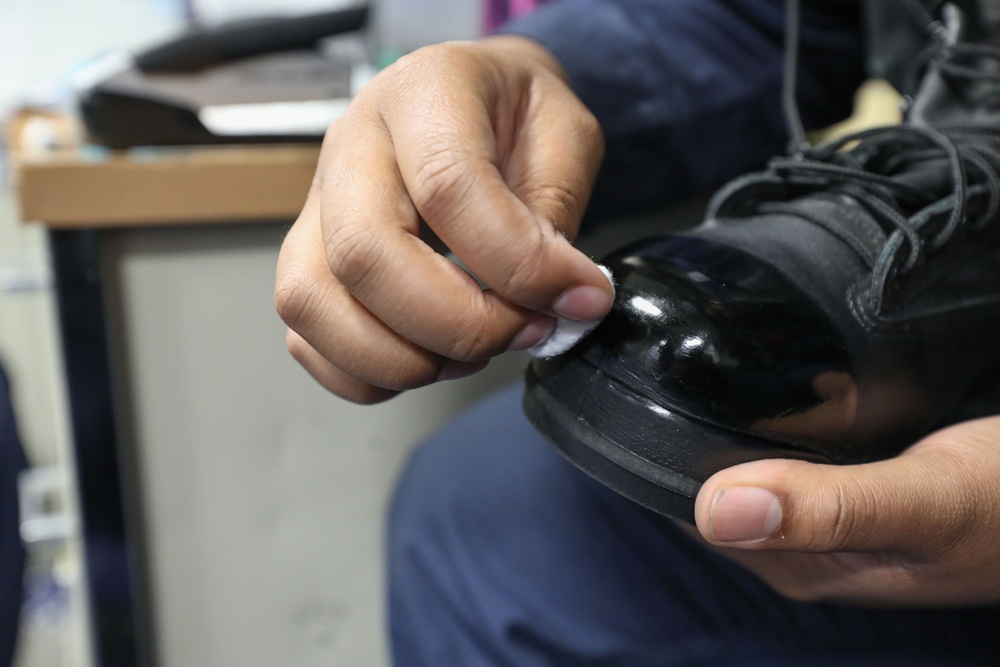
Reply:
x=714, y=333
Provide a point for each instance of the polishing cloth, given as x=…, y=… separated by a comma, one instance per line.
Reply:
x=567, y=333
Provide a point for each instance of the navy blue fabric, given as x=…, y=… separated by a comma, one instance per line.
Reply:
x=688, y=92
x=11, y=549
x=503, y=554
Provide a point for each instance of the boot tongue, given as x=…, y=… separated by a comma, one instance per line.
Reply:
x=930, y=179
x=843, y=214
x=962, y=84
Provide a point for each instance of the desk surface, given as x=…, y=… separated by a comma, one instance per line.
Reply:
x=74, y=186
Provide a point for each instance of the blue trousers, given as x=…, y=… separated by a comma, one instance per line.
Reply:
x=503, y=554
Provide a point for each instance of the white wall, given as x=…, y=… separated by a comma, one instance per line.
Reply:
x=40, y=43
x=44, y=39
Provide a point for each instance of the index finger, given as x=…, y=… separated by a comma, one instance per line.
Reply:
x=507, y=205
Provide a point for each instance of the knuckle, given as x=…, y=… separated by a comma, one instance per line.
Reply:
x=355, y=254
x=528, y=277
x=399, y=372
x=331, y=139
x=585, y=134
x=295, y=296
x=561, y=203
x=417, y=62
x=442, y=181
x=589, y=129
x=846, y=518
x=424, y=74
x=416, y=59
x=524, y=273
x=470, y=341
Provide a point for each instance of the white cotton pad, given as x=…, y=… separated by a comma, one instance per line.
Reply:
x=567, y=332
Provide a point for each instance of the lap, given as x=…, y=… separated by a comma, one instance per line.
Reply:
x=502, y=553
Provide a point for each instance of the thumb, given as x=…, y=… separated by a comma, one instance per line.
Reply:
x=916, y=503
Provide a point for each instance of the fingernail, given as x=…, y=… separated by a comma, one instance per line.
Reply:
x=744, y=514
x=536, y=331
x=583, y=303
x=456, y=370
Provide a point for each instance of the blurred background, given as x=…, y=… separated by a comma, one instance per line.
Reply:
x=40, y=43
x=191, y=497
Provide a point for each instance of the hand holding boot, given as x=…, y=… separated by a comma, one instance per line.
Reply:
x=919, y=529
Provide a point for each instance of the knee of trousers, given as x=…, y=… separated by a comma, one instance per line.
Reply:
x=486, y=485
x=475, y=470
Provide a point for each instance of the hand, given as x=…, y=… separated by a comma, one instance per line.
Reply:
x=485, y=142
x=920, y=529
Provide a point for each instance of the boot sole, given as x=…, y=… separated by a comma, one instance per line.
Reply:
x=649, y=453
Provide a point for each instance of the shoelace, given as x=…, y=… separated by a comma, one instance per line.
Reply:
x=961, y=60
x=866, y=171
x=869, y=174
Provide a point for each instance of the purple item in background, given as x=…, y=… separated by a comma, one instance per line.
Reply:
x=500, y=11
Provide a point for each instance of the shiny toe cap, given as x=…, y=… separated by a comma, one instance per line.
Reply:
x=715, y=333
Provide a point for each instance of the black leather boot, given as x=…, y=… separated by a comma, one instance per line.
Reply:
x=833, y=308
x=961, y=84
